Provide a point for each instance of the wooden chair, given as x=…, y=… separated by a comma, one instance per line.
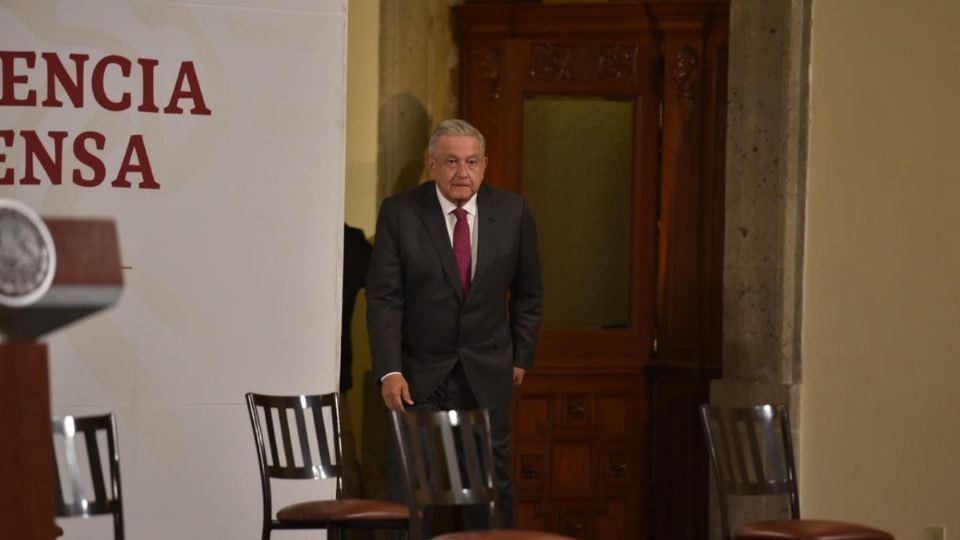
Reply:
x=298, y=437
x=751, y=451
x=447, y=460
x=78, y=457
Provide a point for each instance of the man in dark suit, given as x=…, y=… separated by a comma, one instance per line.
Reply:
x=454, y=293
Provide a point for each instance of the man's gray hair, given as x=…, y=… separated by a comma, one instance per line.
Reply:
x=455, y=126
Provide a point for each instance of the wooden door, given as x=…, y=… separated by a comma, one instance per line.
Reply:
x=600, y=116
x=580, y=416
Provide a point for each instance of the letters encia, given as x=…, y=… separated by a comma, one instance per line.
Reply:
x=20, y=72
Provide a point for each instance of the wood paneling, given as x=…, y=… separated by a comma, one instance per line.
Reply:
x=26, y=448
x=576, y=467
x=679, y=470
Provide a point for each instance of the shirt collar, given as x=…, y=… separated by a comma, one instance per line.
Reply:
x=470, y=206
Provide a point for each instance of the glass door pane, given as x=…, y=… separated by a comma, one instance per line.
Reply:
x=577, y=175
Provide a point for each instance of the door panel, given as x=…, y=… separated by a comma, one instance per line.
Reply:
x=575, y=141
x=577, y=157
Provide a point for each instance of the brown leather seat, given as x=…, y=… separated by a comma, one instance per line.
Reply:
x=500, y=534
x=808, y=529
x=343, y=510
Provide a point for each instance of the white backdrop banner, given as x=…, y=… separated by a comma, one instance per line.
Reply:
x=212, y=131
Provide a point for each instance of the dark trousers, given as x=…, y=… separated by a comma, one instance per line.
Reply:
x=454, y=393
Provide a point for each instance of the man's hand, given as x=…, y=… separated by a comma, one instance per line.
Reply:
x=518, y=374
x=396, y=392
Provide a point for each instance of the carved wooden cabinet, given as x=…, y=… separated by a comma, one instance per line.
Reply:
x=609, y=119
x=578, y=454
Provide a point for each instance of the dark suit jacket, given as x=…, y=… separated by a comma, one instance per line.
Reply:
x=419, y=322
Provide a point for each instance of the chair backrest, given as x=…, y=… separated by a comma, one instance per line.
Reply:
x=751, y=451
x=297, y=437
x=91, y=471
x=447, y=460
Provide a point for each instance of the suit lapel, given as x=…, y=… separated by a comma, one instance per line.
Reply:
x=486, y=236
x=432, y=216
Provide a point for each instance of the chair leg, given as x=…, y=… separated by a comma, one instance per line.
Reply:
x=118, y=527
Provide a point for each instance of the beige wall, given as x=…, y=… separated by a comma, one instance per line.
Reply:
x=881, y=324
x=360, y=204
x=363, y=64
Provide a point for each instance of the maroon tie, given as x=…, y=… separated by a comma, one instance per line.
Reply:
x=461, y=248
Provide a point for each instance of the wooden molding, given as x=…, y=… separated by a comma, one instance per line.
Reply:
x=686, y=74
x=584, y=62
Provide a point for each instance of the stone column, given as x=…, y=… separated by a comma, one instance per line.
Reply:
x=765, y=192
x=418, y=86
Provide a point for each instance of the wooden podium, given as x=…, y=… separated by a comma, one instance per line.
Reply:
x=52, y=273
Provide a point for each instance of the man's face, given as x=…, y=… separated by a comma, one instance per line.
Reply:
x=457, y=165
